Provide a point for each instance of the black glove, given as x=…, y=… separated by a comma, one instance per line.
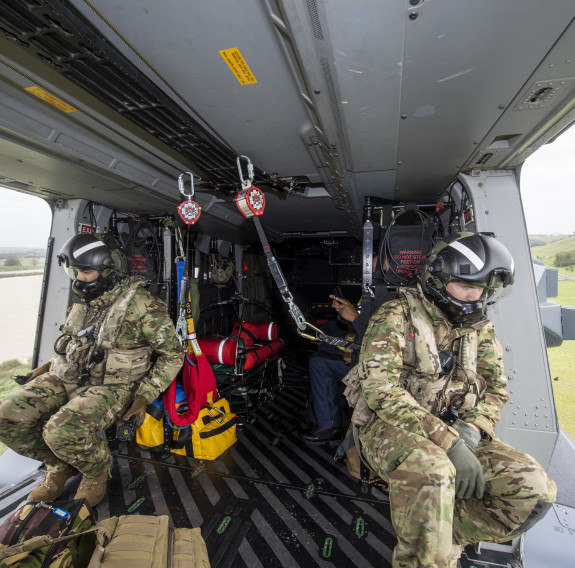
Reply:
x=469, y=480
x=137, y=410
x=469, y=434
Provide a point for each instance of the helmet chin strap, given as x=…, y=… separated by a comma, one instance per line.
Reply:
x=91, y=290
x=455, y=310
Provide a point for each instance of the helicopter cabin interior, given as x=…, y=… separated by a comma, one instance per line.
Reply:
x=264, y=149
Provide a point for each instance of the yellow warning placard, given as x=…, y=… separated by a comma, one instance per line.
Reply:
x=50, y=99
x=238, y=65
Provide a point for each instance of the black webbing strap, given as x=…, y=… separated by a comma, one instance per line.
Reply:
x=278, y=277
x=295, y=312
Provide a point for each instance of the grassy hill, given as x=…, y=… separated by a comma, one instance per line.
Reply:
x=548, y=252
x=542, y=240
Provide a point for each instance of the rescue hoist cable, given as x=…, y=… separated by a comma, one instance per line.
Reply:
x=250, y=200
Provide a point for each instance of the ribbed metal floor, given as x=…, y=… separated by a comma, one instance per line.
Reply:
x=271, y=500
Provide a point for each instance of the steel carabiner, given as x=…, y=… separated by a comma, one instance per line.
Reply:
x=246, y=184
x=181, y=185
x=316, y=338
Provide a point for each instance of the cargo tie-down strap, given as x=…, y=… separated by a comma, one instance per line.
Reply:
x=251, y=203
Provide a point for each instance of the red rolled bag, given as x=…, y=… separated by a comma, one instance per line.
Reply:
x=258, y=353
x=219, y=351
x=257, y=331
x=245, y=333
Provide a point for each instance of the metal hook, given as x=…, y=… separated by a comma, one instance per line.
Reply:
x=181, y=185
x=246, y=184
x=317, y=337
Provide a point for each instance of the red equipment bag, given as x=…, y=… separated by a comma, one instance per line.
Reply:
x=257, y=331
x=199, y=386
x=222, y=351
x=243, y=334
x=262, y=351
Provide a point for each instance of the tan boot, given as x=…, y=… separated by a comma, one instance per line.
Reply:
x=51, y=486
x=93, y=489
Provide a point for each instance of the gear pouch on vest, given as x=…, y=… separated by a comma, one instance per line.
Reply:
x=67, y=366
x=425, y=390
x=125, y=366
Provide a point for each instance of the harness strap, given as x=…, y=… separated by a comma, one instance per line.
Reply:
x=279, y=278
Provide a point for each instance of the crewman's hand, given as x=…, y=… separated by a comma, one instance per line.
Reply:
x=469, y=480
x=470, y=433
x=137, y=411
x=344, y=308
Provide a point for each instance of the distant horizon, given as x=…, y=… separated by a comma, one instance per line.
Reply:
x=3, y=248
x=6, y=249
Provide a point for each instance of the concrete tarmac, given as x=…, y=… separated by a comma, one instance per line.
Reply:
x=19, y=301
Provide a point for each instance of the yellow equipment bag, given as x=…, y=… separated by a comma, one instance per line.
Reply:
x=150, y=435
x=214, y=431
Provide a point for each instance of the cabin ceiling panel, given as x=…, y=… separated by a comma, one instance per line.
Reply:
x=540, y=111
x=457, y=79
x=379, y=184
x=179, y=50
x=363, y=52
x=77, y=143
x=51, y=177
x=297, y=213
x=375, y=97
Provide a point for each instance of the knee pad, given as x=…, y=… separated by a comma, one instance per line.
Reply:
x=538, y=512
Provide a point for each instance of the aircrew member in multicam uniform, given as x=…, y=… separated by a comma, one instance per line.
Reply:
x=428, y=392
x=102, y=370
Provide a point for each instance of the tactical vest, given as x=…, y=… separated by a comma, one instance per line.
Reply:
x=421, y=372
x=99, y=357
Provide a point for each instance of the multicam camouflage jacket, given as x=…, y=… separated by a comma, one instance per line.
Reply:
x=400, y=377
x=111, y=340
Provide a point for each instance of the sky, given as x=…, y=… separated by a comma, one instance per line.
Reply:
x=548, y=187
x=25, y=220
x=547, y=190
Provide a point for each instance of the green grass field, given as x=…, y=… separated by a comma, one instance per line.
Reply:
x=562, y=358
x=562, y=367
x=7, y=384
x=25, y=264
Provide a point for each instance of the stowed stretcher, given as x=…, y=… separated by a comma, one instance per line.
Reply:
x=247, y=364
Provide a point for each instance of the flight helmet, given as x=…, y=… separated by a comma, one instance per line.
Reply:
x=475, y=258
x=97, y=252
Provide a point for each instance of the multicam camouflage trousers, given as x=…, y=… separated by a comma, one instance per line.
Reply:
x=40, y=422
x=432, y=526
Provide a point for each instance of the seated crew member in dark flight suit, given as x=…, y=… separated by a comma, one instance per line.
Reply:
x=326, y=369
